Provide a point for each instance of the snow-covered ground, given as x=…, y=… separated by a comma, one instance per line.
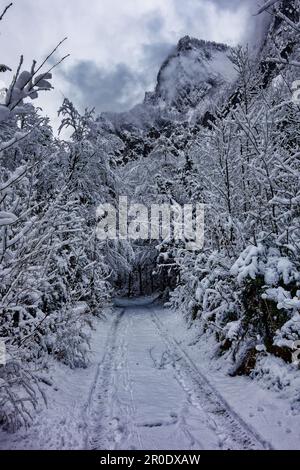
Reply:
x=150, y=386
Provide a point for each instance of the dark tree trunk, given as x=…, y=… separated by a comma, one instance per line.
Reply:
x=152, y=282
x=141, y=280
x=129, y=284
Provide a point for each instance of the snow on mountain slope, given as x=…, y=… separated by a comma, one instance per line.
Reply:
x=191, y=80
x=197, y=68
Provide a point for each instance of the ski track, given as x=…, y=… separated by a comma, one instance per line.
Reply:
x=129, y=409
x=233, y=432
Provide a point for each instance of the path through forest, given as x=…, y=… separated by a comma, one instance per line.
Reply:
x=149, y=388
x=149, y=394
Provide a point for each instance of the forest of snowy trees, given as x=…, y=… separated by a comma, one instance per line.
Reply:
x=239, y=156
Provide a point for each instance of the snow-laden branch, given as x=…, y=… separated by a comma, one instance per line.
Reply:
x=28, y=84
x=280, y=15
x=18, y=137
x=16, y=176
x=3, y=67
x=275, y=60
x=288, y=21
x=267, y=5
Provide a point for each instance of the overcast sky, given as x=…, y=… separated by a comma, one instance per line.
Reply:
x=116, y=46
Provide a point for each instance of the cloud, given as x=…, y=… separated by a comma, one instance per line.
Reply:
x=152, y=57
x=116, y=46
x=117, y=88
x=154, y=22
x=214, y=19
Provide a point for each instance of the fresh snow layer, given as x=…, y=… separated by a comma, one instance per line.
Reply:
x=147, y=388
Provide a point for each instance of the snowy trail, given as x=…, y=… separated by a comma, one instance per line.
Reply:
x=145, y=390
x=148, y=394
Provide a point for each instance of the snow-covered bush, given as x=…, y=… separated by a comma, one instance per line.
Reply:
x=68, y=337
x=53, y=275
x=19, y=395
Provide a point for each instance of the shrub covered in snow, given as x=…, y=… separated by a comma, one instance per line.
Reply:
x=53, y=275
x=245, y=289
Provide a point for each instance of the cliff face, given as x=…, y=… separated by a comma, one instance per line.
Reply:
x=196, y=71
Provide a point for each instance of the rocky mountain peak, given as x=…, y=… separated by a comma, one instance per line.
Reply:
x=188, y=43
x=191, y=75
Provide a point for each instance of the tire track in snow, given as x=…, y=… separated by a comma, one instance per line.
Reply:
x=232, y=431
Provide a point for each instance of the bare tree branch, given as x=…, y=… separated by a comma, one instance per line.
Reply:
x=274, y=60
x=42, y=78
x=293, y=25
x=50, y=55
